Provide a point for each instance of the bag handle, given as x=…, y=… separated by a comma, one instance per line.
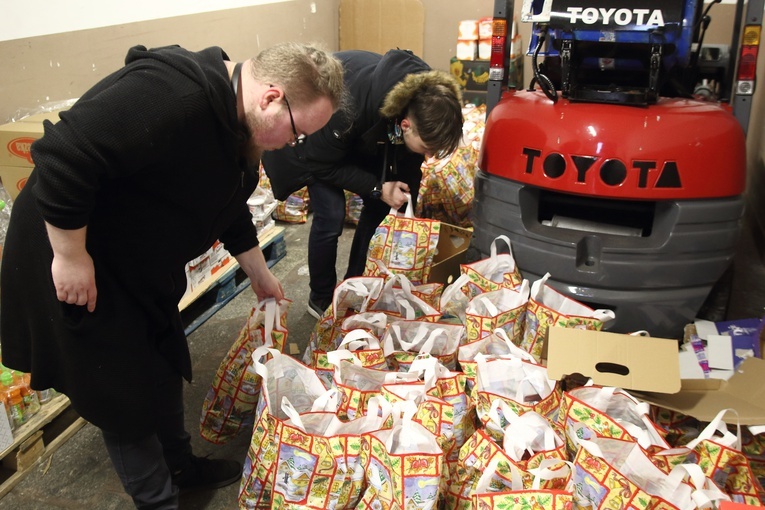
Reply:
x=482, y=486
x=409, y=212
x=544, y=472
x=359, y=339
x=514, y=349
x=727, y=438
x=703, y=490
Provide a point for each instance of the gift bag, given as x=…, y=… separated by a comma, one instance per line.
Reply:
x=405, y=245
x=605, y=411
x=536, y=497
x=404, y=465
x=372, y=322
x=404, y=340
x=358, y=385
x=451, y=387
x=295, y=208
x=523, y=386
x=446, y=189
x=496, y=272
x=282, y=376
x=503, y=308
x=433, y=413
x=617, y=473
x=229, y=406
x=357, y=343
x=351, y=296
x=528, y=441
x=497, y=345
x=353, y=206
x=397, y=299
x=454, y=300
x=319, y=463
x=548, y=307
x=718, y=453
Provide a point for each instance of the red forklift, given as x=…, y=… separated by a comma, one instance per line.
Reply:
x=621, y=168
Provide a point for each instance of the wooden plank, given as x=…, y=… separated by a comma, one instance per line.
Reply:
x=57, y=422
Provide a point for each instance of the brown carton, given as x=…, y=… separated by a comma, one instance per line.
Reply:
x=453, y=242
x=382, y=25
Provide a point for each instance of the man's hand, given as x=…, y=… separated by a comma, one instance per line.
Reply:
x=394, y=193
x=73, y=272
x=262, y=281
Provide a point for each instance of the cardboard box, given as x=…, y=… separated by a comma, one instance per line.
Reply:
x=453, y=242
x=17, y=137
x=382, y=25
x=652, y=373
x=14, y=178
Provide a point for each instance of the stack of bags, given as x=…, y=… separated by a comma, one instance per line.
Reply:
x=432, y=396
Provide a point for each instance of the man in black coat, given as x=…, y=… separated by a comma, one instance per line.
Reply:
x=144, y=172
x=401, y=111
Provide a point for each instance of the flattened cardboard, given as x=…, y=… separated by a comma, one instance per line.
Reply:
x=612, y=359
x=382, y=25
x=654, y=374
x=704, y=398
x=453, y=242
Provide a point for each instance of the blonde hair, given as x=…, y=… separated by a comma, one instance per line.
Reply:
x=305, y=72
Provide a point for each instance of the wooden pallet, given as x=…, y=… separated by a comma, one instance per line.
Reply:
x=200, y=305
x=37, y=440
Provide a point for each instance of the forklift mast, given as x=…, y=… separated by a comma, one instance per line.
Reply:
x=655, y=39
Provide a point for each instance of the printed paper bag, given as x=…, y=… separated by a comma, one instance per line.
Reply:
x=358, y=385
x=616, y=473
x=717, y=451
x=497, y=345
x=403, y=466
x=523, y=386
x=446, y=188
x=357, y=343
x=229, y=406
x=454, y=300
x=536, y=497
x=527, y=443
x=319, y=463
x=351, y=296
x=404, y=340
x=548, y=307
x=405, y=245
x=607, y=412
x=282, y=376
x=372, y=322
x=496, y=272
x=397, y=299
x=503, y=308
x=433, y=413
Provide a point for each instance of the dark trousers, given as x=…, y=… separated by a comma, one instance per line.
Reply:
x=144, y=465
x=328, y=205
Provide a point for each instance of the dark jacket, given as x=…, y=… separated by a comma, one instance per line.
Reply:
x=348, y=152
x=148, y=160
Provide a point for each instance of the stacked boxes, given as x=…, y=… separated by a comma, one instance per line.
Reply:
x=15, y=141
x=471, y=64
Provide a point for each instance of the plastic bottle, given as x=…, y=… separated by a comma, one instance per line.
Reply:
x=6, y=204
x=6, y=406
x=15, y=399
x=31, y=401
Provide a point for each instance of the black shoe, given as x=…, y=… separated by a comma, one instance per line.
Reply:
x=202, y=473
x=317, y=307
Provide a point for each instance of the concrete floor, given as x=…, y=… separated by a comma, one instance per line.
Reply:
x=79, y=474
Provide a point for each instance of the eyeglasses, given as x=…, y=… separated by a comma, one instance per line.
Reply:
x=298, y=139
